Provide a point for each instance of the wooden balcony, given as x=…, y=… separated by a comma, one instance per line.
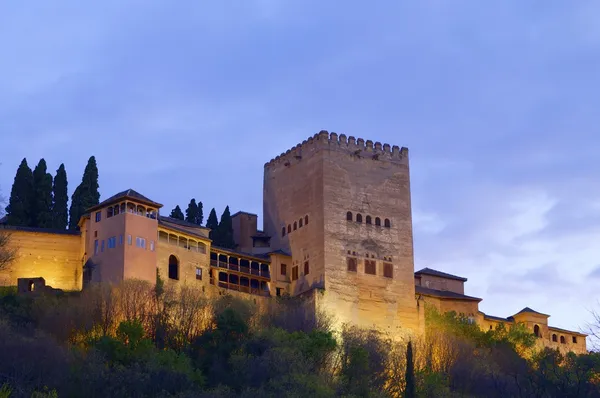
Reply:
x=240, y=269
x=240, y=288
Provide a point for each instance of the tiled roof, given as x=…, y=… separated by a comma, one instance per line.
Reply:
x=129, y=193
x=529, y=310
x=41, y=230
x=181, y=227
x=279, y=251
x=243, y=212
x=183, y=223
x=260, y=234
x=495, y=318
x=566, y=331
x=444, y=294
x=429, y=271
x=262, y=256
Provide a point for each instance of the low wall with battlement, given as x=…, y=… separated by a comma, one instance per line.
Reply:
x=334, y=142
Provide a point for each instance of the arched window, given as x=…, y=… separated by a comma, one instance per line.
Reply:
x=554, y=338
x=109, y=212
x=282, y=232
x=289, y=228
x=300, y=223
x=562, y=340
x=536, y=331
x=116, y=210
x=368, y=219
x=359, y=217
x=378, y=221
x=295, y=225
x=387, y=223
x=173, y=267
x=31, y=286
x=349, y=216
x=306, y=219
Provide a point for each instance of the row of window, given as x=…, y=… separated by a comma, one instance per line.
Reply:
x=130, y=208
x=367, y=255
x=563, y=340
x=112, y=243
x=370, y=267
x=284, y=270
x=368, y=220
x=297, y=224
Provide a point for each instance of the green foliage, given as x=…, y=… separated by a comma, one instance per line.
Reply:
x=213, y=224
x=60, y=197
x=200, y=213
x=225, y=231
x=193, y=213
x=5, y=391
x=41, y=204
x=85, y=195
x=177, y=214
x=19, y=210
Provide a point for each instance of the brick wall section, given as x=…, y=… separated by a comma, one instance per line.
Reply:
x=435, y=282
x=55, y=257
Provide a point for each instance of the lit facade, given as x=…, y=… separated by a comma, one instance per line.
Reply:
x=337, y=221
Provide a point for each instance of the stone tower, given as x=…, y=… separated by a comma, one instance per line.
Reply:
x=341, y=206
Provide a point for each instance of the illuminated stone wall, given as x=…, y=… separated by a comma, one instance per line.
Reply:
x=57, y=257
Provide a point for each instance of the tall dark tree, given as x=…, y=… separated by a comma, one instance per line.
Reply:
x=213, y=224
x=177, y=213
x=18, y=210
x=41, y=204
x=225, y=229
x=200, y=214
x=86, y=194
x=409, y=392
x=60, y=197
x=191, y=213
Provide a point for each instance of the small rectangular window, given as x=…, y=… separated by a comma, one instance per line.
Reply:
x=294, y=273
x=283, y=269
x=388, y=270
x=199, y=273
x=109, y=212
x=306, y=268
x=574, y=340
x=121, y=240
x=151, y=245
x=370, y=267
x=95, y=234
x=129, y=240
x=98, y=216
x=351, y=262
x=96, y=246
x=102, y=245
x=140, y=242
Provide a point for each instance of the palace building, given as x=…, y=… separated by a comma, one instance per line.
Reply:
x=337, y=229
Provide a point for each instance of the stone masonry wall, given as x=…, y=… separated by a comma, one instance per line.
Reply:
x=56, y=257
x=327, y=176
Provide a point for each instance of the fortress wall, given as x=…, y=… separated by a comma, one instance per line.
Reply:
x=57, y=257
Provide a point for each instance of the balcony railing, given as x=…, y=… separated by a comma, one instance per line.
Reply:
x=238, y=268
x=241, y=288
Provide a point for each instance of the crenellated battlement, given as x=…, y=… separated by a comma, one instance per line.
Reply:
x=353, y=146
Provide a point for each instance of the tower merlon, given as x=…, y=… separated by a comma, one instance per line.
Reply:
x=350, y=144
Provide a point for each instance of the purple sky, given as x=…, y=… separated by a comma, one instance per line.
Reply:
x=496, y=101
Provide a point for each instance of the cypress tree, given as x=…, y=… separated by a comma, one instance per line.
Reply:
x=200, y=214
x=60, y=197
x=177, y=213
x=213, y=224
x=19, y=205
x=191, y=213
x=86, y=194
x=225, y=229
x=409, y=392
x=41, y=205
